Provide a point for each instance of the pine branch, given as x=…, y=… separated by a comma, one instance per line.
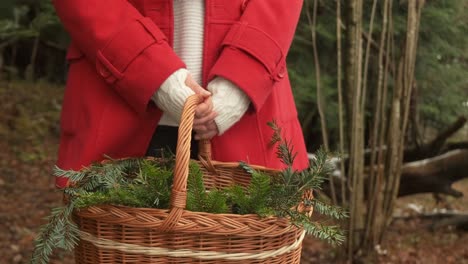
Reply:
x=238, y=199
x=196, y=197
x=216, y=202
x=59, y=231
x=334, y=212
x=246, y=167
x=332, y=234
x=259, y=191
x=147, y=183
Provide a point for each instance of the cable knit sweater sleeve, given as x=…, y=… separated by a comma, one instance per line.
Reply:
x=229, y=101
x=172, y=94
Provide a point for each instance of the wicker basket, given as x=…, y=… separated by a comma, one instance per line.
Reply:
x=119, y=234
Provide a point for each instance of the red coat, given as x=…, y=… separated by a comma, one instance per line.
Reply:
x=121, y=53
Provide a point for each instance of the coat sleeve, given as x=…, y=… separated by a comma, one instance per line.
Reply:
x=128, y=50
x=254, y=50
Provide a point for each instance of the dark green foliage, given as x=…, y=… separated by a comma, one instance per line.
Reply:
x=239, y=200
x=130, y=182
x=147, y=183
x=442, y=63
x=197, y=190
x=59, y=232
x=440, y=74
x=327, y=210
x=33, y=28
x=260, y=194
x=284, y=149
x=256, y=198
x=201, y=200
x=279, y=195
x=332, y=234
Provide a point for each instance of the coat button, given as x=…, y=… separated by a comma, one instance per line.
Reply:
x=281, y=72
x=103, y=71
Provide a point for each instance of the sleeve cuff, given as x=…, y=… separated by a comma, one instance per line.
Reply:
x=172, y=94
x=247, y=73
x=229, y=102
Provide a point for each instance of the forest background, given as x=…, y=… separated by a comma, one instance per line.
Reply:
x=381, y=83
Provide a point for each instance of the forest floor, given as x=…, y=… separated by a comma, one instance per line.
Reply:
x=27, y=193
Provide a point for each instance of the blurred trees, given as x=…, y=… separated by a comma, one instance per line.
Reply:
x=440, y=70
x=388, y=76
x=32, y=41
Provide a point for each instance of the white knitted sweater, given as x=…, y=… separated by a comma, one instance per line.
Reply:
x=229, y=101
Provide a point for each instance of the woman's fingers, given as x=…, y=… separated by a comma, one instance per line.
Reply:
x=204, y=108
x=207, y=135
x=205, y=119
x=202, y=128
x=203, y=124
x=192, y=84
x=205, y=131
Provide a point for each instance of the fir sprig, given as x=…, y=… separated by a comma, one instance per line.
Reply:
x=293, y=184
x=59, y=232
x=332, y=211
x=146, y=183
x=201, y=200
x=285, y=149
x=332, y=234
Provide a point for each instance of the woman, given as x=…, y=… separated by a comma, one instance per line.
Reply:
x=133, y=63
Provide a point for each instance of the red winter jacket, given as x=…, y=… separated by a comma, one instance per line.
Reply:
x=121, y=53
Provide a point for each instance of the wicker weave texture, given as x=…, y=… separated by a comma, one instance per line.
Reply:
x=119, y=234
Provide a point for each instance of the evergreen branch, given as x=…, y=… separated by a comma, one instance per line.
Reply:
x=59, y=231
x=246, y=167
x=285, y=152
x=197, y=194
x=147, y=184
x=259, y=192
x=239, y=200
x=334, y=212
x=332, y=234
x=74, y=176
x=216, y=202
x=284, y=149
x=276, y=137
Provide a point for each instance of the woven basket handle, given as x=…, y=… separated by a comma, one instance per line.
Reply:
x=181, y=170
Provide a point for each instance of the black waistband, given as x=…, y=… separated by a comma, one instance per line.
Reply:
x=164, y=142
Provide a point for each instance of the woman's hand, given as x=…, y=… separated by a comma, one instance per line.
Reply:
x=206, y=131
x=203, y=124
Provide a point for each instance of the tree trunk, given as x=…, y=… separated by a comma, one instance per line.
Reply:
x=340, y=99
x=436, y=145
x=312, y=19
x=377, y=137
x=353, y=84
x=435, y=175
x=31, y=69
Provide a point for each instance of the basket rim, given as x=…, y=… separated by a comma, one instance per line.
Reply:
x=247, y=225
x=190, y=253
